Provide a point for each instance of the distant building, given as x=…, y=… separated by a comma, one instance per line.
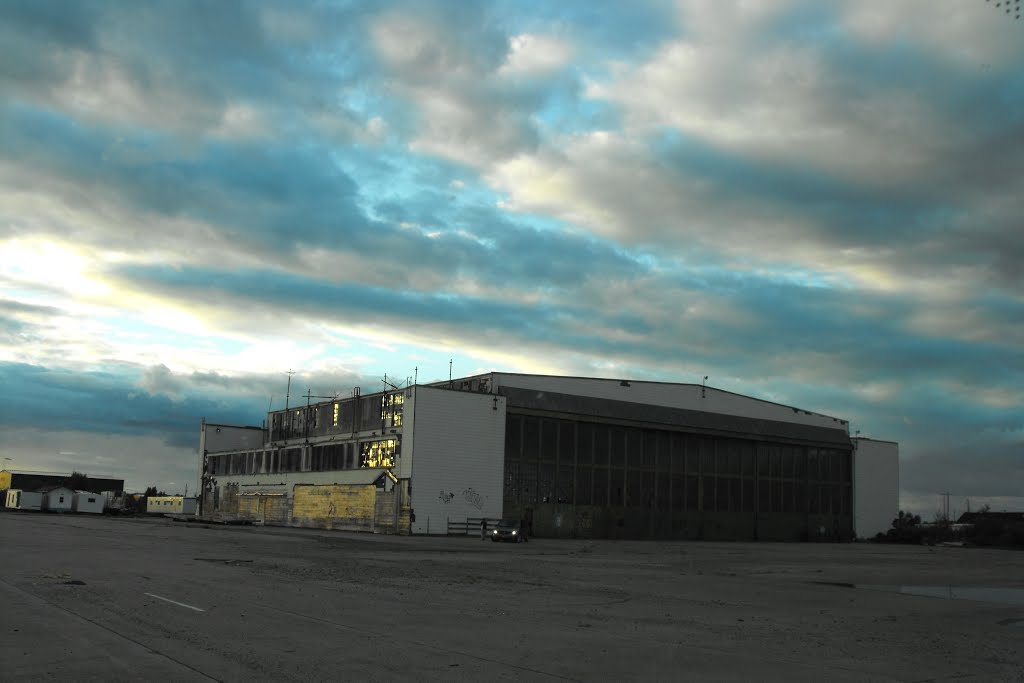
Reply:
x=990, y=516
x=88, y=502
x=569, y=456
x=28, y=480
x=171, y=505
x=57, y=499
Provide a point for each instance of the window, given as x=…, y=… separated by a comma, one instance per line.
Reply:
x=635, y=450
x=616, y=486
x=692, y=455
x=549, y=441
x=511, y=481
x=513, y=437
x=707, y=457
x=633, y=485
x=378, y=453
x=531, y=439
x=566, y=443
x=722, y=503
x=678, y=492
x=664, y=450
x=692, y=492
x=585, y=452
x=617, y=448
x=337, y=409
x=546, y=490
x=707, y=492
x=663, y=496
x=391, y=409
x=748, y=495
x=583, y=486
x=600, y=486
x=600, y=445
x=564, y=484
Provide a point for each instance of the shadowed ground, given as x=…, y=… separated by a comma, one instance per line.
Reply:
x=118, y=599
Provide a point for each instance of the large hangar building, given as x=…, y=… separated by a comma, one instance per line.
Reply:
x=570, y=456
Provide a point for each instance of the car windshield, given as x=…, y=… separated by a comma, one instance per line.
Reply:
x=509, y=523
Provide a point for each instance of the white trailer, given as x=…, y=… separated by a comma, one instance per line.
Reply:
x=86, y=501
x=23, y=500
x=57, y=499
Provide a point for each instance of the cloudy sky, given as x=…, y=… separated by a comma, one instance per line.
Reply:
x=820, y=204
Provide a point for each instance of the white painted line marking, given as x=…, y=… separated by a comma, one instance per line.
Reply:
x=174, y=602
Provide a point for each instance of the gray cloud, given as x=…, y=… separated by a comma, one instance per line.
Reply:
x=806, y=205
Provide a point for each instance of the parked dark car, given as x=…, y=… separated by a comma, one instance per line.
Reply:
x=510, y=530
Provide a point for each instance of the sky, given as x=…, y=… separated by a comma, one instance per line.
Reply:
x=819, y=204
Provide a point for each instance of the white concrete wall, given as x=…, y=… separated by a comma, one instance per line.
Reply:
x=230, y=438
x=457, y=457
x=876, y=486
x=403, y=464
x=217, y=437
x=685, y=396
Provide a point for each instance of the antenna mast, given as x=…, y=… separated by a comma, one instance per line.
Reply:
x=288, y=392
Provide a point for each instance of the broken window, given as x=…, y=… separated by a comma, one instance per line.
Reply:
x=391, y=409
x=378, y=453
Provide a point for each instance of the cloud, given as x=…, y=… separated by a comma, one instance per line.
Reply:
x=816, y=204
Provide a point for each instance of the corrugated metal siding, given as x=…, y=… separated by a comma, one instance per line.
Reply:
x=458, y=460
x=351, y=508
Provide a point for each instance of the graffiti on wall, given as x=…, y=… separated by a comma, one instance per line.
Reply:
x=473, y=498
x=469, y=495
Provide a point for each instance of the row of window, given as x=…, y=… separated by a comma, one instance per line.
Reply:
x=325, y=458
x=530, y=483
x=382, y=411
x=531, y=439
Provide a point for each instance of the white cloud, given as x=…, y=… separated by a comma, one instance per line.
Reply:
x=535, y=54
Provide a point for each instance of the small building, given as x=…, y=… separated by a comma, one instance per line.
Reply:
x=57, y=499
x=178, y=505
x=23, y=500
x=88, y=502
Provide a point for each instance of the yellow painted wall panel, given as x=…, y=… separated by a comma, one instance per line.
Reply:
x=335, y=507
x=274, y=510
x=5, y=480
x=249, y=506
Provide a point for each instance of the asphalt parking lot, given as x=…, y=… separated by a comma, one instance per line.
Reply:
x=99, y=598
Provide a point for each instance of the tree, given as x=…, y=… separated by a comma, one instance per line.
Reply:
x=152, y=491
x=905, y=520
x=77, y=482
